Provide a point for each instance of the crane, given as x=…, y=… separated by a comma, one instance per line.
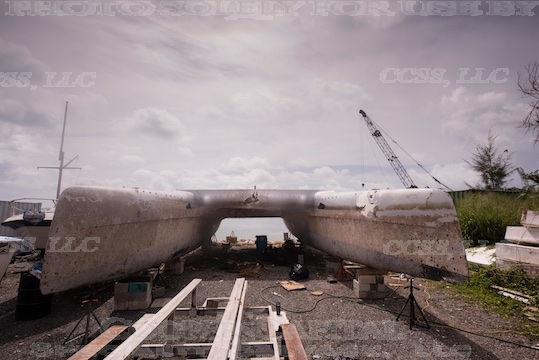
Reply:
x=388, y=152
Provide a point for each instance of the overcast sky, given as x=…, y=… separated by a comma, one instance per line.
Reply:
x=226, y=94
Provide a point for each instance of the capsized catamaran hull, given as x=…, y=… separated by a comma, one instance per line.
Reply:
x=412, y=231
x=101, y=234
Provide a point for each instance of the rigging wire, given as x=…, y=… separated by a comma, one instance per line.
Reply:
x=410, y=156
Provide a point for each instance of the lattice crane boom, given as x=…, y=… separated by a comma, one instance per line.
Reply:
x=388, y=152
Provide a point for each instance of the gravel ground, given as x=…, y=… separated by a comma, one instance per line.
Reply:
x=333, y=325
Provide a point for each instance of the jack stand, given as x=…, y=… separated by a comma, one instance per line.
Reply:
x=342, y=274
x=89, y=311
x=160, y=279
x=413, y=303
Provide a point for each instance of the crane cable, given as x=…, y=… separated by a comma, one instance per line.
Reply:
x=411, y=157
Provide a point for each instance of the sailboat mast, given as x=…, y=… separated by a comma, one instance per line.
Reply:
x=61, y=155
x=61, y=158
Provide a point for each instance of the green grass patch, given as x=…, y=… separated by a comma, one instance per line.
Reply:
x=478, y=289
x=483, y=216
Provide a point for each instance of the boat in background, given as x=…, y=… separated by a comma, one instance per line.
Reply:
x=31, y=224
x=7, y=250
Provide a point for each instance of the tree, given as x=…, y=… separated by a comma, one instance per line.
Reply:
x=494, y=168
x=528, y=84
x=530, y=180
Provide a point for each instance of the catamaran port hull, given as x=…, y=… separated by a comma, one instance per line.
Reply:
x=102, y=234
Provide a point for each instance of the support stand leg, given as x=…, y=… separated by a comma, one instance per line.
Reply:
x=89, y=312
x=413, y=303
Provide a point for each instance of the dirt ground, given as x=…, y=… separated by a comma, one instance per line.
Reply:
x=334, y=325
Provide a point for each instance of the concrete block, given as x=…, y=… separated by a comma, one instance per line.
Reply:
x=176, y=267
x=139, y=305
x=367, y=279
x=366, y=287
x=121, y=305
x=158, y=291
x=139, y=287
x=120, y=287
x=370, y=271
x=121, y=297
x=369, y=291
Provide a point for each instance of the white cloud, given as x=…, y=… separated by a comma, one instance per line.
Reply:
x=155, y=122
x=242, y=164
x=132, y=159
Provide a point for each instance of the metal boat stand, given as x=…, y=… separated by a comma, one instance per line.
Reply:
x=87, y=303
x=413, y=303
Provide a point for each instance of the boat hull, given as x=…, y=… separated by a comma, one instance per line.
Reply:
x=35, y=234
x=410, y=231
x=101, y=234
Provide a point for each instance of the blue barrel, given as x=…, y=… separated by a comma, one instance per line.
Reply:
x=261, y=245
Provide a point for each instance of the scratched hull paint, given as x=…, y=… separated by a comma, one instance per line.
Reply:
x=101, y=234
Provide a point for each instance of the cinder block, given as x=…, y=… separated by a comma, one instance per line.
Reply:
x=370, y=271
x=123, y=296
x=366, y=287
x=158, y=291
x=138, y=287
x=367, y=279
x=369, y=291
x=139, y=305
x=120, y=305
x=355, y=287
x=121, y=288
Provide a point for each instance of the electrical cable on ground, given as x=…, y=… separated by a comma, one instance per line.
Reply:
x=482, y=333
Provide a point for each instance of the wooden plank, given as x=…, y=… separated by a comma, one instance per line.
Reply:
x=186, y=349
x=273, y=325
x=294, y=346
x=234, y=349
x=105, y=338
x=223, y=337
x=142, y=321
x=133, y=342
x=515, y=292
x=291, y=285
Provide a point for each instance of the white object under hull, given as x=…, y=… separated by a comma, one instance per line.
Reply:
x=100, y=234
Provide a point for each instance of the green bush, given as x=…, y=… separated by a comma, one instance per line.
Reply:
x=483, y=216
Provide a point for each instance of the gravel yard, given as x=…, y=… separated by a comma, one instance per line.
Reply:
x=332, y=325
